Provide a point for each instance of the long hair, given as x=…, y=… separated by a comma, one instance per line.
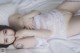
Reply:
x=2, y=27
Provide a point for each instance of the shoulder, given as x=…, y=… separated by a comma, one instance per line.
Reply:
x=14, y=16
x=14, y=21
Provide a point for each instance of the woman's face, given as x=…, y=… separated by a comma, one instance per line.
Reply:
x=7, y=36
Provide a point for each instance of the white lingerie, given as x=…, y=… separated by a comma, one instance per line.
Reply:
x=58, y=40
x=53, y=21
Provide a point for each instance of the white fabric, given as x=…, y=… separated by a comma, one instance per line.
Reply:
x=70, y=45
x=58, y=40
x=25, y=6
x=4, y=1
x=41, y=42
x=5, y=11
x=53, y=21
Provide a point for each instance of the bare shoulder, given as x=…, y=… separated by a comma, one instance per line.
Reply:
x=14, y=16
x=14, y=21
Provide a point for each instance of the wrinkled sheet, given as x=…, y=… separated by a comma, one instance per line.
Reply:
x=71, y=45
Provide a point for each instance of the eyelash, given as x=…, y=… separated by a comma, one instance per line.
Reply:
x=4, y=31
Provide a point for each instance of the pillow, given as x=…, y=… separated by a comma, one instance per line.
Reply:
x=5, y=11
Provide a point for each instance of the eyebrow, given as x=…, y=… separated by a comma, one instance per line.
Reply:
x=4, y=31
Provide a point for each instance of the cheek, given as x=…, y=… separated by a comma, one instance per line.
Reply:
x=10, y=39
x=1, y=40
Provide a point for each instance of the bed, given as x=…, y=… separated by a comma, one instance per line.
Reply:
x=9, y=7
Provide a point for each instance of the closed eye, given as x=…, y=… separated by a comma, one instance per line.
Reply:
x=5, y=31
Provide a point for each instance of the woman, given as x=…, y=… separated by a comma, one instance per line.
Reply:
x=47, y=26
x=7, y=36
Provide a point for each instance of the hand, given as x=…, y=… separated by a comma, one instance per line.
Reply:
x=28, y=19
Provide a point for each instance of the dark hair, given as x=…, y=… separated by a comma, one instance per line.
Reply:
x=4, y=46
x=2, y=27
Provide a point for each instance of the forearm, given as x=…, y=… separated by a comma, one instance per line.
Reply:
x=38, y=33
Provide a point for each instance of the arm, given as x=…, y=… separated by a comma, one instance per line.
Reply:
x=28, y=19
x=38, y=33
x=18, y=21
x=26, y=43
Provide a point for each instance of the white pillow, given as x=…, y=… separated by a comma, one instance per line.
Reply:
x=5, y=11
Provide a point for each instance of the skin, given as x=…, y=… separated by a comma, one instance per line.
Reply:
x=30, y=43
x=19, y=21
x=67, y=8
x=74, y=26
x=38, y=33
x=14, y=21
x=7, y=36
x=26, y=38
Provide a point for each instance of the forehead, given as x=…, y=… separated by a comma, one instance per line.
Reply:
x=8, y=31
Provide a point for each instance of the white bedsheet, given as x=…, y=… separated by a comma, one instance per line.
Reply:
x=56, y=45
x=71, y=45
